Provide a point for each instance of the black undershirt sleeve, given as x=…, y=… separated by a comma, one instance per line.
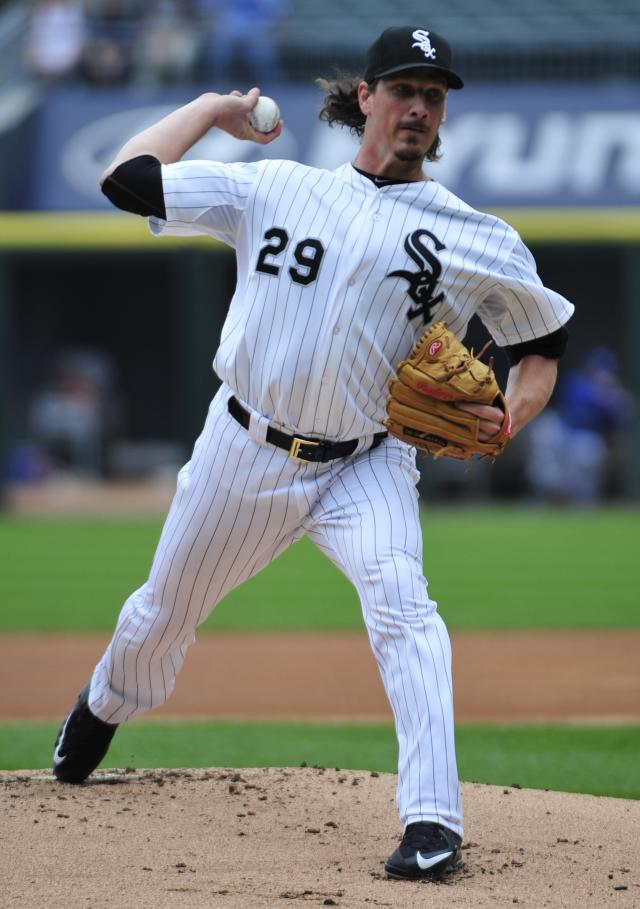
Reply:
x=136, y=186
x=552, y=346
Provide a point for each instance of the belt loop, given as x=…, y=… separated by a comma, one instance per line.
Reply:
x=258, y=426
x=367, y=443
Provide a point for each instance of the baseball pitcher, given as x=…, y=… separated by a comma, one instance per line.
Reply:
x=340, y=355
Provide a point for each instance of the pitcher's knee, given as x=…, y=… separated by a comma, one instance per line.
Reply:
x=396, y=588
x=397, y=613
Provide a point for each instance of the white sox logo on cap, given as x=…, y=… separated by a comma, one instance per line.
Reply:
x=422, y=41
x=409, y=47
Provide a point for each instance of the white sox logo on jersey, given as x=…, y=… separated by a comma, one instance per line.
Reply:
x=422, y=41
x=422, y=283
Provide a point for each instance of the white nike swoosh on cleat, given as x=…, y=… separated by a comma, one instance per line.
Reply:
x=425, y=863
x=57, y=757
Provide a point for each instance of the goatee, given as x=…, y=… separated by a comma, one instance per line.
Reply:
x=407, y=155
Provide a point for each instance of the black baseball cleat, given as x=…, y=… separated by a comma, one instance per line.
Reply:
x=82, y=742
x=427, y=850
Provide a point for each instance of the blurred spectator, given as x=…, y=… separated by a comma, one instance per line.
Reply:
x=243, y=40
x=55, y=38
x=74, y=416
x=113, y=29
x=168, y=43
x=572, y=447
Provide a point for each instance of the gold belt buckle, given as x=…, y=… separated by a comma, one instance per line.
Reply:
x=296, y=444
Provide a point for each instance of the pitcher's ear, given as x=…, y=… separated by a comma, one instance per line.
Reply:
x=364, y=98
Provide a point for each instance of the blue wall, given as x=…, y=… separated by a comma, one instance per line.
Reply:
x=504, y=145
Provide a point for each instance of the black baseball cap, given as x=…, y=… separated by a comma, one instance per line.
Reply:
x=410, y=47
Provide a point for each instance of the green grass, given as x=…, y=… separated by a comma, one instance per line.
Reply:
x=600, y=761
x=488, y=568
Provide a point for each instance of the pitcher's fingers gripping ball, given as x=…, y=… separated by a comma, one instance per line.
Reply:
x=265, y=115
x=423, y=410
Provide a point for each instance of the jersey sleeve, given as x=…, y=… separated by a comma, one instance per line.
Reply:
x=518, y=307
x=204, y=197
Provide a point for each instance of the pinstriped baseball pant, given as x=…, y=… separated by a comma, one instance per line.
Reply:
x=238, y=504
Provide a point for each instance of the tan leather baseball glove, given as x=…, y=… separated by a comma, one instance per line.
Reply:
x=422, y=398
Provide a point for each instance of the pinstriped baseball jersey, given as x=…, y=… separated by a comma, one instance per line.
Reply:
x=338, y=277
x=339, y=273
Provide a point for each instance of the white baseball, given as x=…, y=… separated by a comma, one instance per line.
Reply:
x=265, y=115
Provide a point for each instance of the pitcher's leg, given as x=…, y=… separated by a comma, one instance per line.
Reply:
x=368, y=524
x=230, y=517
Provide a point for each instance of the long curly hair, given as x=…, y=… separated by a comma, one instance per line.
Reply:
x=341, y=106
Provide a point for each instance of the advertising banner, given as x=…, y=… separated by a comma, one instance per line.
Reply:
x=503, y=145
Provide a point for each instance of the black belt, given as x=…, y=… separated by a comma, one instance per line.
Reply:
x=299, y=447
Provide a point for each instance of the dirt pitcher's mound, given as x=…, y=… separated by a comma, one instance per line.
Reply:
x=294, y=837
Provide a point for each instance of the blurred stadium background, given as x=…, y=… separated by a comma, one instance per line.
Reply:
x=107, y=336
